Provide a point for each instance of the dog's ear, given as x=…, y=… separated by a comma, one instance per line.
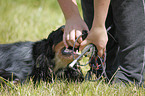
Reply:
x=62, y=28
x=43, y=69
x=49, y=47
x=56, y=36
x=53, y=39
x=57, y=33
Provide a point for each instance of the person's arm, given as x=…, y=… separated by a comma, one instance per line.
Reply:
x=74, y=23
x=100, y=12
x=69, y=8
x=98, y=35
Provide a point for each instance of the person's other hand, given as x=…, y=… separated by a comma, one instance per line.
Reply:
x=98, y=37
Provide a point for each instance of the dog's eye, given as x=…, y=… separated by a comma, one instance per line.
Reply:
x=66, y=51
x=69, y=51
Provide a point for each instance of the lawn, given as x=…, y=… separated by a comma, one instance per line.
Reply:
x=32, y=20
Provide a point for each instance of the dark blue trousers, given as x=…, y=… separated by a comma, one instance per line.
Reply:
x=127, y=51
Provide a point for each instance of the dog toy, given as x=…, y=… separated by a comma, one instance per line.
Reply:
x=97, y=64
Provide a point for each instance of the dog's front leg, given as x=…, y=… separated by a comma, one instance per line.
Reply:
x=42, y=70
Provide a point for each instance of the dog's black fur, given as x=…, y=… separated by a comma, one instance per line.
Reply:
x=22, y=60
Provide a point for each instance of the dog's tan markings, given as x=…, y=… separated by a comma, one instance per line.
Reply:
x=62, y=29
x=61, y=61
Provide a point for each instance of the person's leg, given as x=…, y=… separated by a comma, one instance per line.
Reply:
x=129, y=20
x=112, y=47
x=88, y=11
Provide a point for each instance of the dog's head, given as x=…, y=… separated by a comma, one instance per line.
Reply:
x=62, y=56
x=51, y=56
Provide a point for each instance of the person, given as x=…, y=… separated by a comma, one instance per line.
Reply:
x=127, y=21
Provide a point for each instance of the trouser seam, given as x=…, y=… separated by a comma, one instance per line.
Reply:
x=144, y=6
x=142, y=68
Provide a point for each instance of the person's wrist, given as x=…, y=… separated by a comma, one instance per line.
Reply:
x=98, y=29
x=73, y=17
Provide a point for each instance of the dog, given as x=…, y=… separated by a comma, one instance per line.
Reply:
x=42, y=60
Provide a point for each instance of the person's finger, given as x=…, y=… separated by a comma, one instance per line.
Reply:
x=83, y=44
x=101, y=51
x=71, y=44
x=71, y=40
x=64, y=40
x=68, y=42
x=78, y=34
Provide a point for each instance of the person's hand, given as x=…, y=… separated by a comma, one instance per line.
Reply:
x=97, y=36
x=73, y=29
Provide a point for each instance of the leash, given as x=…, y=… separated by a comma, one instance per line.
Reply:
x=99, y=63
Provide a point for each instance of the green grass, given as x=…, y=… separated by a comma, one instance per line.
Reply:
x=73, y=89
x=23, y=20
